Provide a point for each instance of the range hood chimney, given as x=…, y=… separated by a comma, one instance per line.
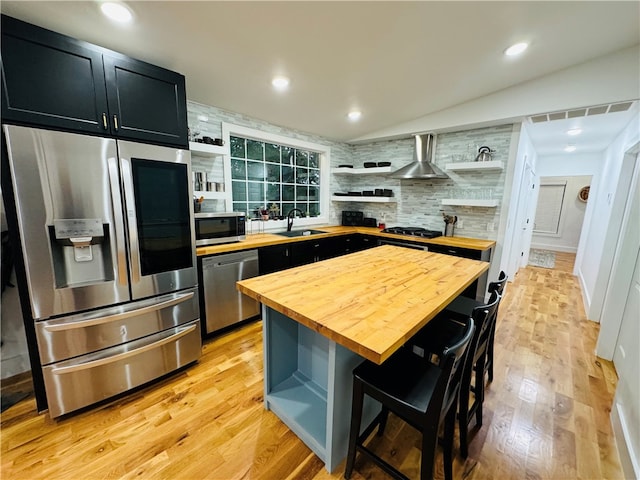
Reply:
x=421, y=167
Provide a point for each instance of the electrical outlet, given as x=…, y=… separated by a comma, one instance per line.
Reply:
x=490, y=227
x=460, y=224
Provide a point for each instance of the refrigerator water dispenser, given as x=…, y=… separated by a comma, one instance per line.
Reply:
x=80, y=251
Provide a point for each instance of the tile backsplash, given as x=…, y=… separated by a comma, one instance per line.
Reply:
x=418, y=202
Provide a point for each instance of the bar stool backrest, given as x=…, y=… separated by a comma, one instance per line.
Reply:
x=498, y=285
x=453, y=360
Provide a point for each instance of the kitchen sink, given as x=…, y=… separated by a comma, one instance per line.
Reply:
x=299, y=233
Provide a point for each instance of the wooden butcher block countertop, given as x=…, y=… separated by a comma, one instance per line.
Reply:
x=258, y=240
x=370, y=302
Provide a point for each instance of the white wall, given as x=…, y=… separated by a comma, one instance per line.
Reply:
x=601, y=227
x=608, y=79
x=518, y=200
x=571, y=216
x=566, y=166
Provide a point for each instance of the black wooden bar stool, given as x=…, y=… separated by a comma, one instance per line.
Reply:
x=474, y=371
x=472, y=381
x=463, y=306
x=421, y=388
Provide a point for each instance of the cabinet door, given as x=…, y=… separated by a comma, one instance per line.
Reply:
x=146, y=102
x=303, y=253
x=273, y=258
x=363, y=242
x=457, y=251
x=51, y=80
x=334, y=247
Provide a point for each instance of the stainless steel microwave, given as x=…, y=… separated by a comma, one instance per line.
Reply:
x=220, y=227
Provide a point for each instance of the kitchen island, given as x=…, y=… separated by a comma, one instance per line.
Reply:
x=321, y=320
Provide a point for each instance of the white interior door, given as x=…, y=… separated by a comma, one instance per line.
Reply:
x=522, y=235
x=626, y=359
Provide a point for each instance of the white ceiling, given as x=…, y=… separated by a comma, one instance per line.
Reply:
x=395, y=61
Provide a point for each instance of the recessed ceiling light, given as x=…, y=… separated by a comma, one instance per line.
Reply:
x=354, y=115
x=574, y=131
x=570, y=148
x=516, y=49
x=117, y=11
x=280, y=83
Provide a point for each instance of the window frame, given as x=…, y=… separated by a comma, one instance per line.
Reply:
x=324, y=163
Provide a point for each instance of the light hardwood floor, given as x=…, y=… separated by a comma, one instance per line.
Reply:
x=546, y=412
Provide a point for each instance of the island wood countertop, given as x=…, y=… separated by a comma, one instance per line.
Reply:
x=258, y=240
x=371, y=301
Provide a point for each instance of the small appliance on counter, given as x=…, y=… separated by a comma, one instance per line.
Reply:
x=352, y=218
x=213, y=228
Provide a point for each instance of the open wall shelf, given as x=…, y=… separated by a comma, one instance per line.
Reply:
x=470, y=202
x=356, y=198
x=493, y=165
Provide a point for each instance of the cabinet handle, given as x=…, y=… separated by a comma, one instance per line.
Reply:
x=104, y=120
x=115, y=121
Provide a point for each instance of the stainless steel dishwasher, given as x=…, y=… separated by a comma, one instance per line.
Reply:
x=224, y=304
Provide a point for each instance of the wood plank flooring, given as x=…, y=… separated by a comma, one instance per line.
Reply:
x=546, y=412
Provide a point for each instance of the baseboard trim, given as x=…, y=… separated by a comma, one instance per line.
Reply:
x=554, y=248
x=16, y=381
x=628, y=460
x=586, y=299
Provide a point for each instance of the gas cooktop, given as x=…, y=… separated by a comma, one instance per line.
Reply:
x=413, y=231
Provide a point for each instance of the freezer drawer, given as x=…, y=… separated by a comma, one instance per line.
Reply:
x=75, y=335
x=85, y=380
x=224, y=304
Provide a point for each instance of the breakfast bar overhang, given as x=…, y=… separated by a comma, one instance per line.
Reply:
x=321, y=320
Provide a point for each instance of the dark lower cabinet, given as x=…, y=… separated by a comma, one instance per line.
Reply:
x=303, y=253
x=363, y=242
x=55, y=81
x=478, y=288
x=274, y=258
x=280, y=257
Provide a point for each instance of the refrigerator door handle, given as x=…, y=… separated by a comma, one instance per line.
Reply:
x=119, y=316
x=132, y=221
x=118, y=223
x=122, y=356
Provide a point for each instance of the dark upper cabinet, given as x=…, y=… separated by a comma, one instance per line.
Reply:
x=145, y=102
x=52, y=80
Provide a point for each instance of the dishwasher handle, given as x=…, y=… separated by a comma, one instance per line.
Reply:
x=229, y=259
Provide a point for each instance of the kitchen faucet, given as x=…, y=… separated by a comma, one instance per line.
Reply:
x=290, y=216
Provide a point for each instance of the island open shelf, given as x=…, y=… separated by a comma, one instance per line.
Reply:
x=307, y=385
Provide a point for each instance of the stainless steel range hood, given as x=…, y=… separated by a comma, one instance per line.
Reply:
x=421, y=167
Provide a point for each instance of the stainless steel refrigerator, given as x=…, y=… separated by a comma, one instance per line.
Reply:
x=108, y=253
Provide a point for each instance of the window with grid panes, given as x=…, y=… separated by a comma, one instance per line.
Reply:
x=275, y=177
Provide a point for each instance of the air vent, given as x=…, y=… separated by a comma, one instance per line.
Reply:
x=582, y=112
x=598, y=110
x=620, y=107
